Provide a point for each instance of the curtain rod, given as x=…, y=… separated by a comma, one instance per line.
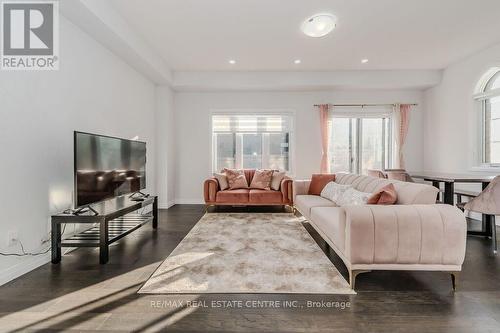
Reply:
x=362, y=105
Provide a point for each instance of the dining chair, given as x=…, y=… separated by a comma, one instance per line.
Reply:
x=488, y=203
x=398, y=174
x=376, y=173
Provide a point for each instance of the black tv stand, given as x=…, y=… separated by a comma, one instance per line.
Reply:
x=115, y=219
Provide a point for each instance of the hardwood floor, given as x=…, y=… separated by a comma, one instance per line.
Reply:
x=79, y=294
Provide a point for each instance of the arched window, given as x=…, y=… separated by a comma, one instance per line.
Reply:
x=488, y=95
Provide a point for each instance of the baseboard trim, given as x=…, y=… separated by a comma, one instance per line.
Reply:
x=166, y=205
x=25, y=266
x=189, y=202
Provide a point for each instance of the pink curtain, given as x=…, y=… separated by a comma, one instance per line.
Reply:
x=323, y=119
x=404, y=110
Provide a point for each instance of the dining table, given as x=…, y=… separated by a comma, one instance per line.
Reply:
x=449, y=180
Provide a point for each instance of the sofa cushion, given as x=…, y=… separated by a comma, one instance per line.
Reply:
x=331, y=221
x=222, y=180
x=276, y=179
x=362, y=183
x=261, y=179
x=304, y=203
x=318, y=182
x=236, y=179
x=334, y=191
x=265, y=196
x=408, y=193
x=353, y=197
x=387, y=195
x=239, y=182
x=413, y=193
x=233, y=196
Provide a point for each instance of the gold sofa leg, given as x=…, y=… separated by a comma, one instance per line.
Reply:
x=352, y=277
x=454, y=280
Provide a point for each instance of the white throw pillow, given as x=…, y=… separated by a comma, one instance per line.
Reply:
x=352, y=197
x=222, y=179
x=333, y=191
x=276, y=179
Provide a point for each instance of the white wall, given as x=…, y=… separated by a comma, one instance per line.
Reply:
x=93, y=91
x=452, y=119
x=165, y=152
x=451, y=116
x=193, y=133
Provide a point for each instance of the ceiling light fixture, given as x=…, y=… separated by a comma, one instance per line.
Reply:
x=232, y=62
x=297, y=61
x=364, y=61
x=319, y=25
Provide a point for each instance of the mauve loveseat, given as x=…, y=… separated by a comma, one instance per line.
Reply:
x=414, y=234
x=247, y=197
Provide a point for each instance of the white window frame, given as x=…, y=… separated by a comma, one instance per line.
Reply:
x=480, y=97
x=365, y=113
x=255, y=112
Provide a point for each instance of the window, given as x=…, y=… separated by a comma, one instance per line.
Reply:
x=360, y=142
x=489, y=98
x=251, y=141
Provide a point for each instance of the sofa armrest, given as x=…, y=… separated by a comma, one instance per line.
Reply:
x=287, y=190
x=210, y=188
x=405, y=234
x=300, y=187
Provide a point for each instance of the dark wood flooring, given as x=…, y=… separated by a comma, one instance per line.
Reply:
x=80, y=295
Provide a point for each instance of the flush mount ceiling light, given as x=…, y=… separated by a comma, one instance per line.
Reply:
x=364, y=61
x=232, y=62
x=319, y=25
x=297, y=61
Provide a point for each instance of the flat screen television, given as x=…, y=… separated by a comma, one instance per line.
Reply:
x=106, y=167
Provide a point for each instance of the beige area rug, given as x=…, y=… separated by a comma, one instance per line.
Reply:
x=247, y=253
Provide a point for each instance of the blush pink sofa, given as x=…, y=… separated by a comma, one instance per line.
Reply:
x=414, y=234
x=247, y=197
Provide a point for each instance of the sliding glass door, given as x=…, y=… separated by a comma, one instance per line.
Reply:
x=358, y=144
x=343, y=144
x=373, y=144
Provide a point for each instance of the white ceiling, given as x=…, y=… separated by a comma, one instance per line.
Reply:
x=264, y=35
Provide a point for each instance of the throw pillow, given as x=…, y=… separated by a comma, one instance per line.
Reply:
x=333, y=191
x=318, y=182
x=387, y=195
x=352, y=197
x=262, y=179
x=222, y=179
x=236, y=179
x=276, y=179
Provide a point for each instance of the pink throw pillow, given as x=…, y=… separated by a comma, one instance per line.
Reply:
x=262, y=179
x=319, y=181
x=236, y=179
x=387, y=195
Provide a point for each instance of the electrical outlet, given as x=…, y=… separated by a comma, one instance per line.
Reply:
x=12, y=238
